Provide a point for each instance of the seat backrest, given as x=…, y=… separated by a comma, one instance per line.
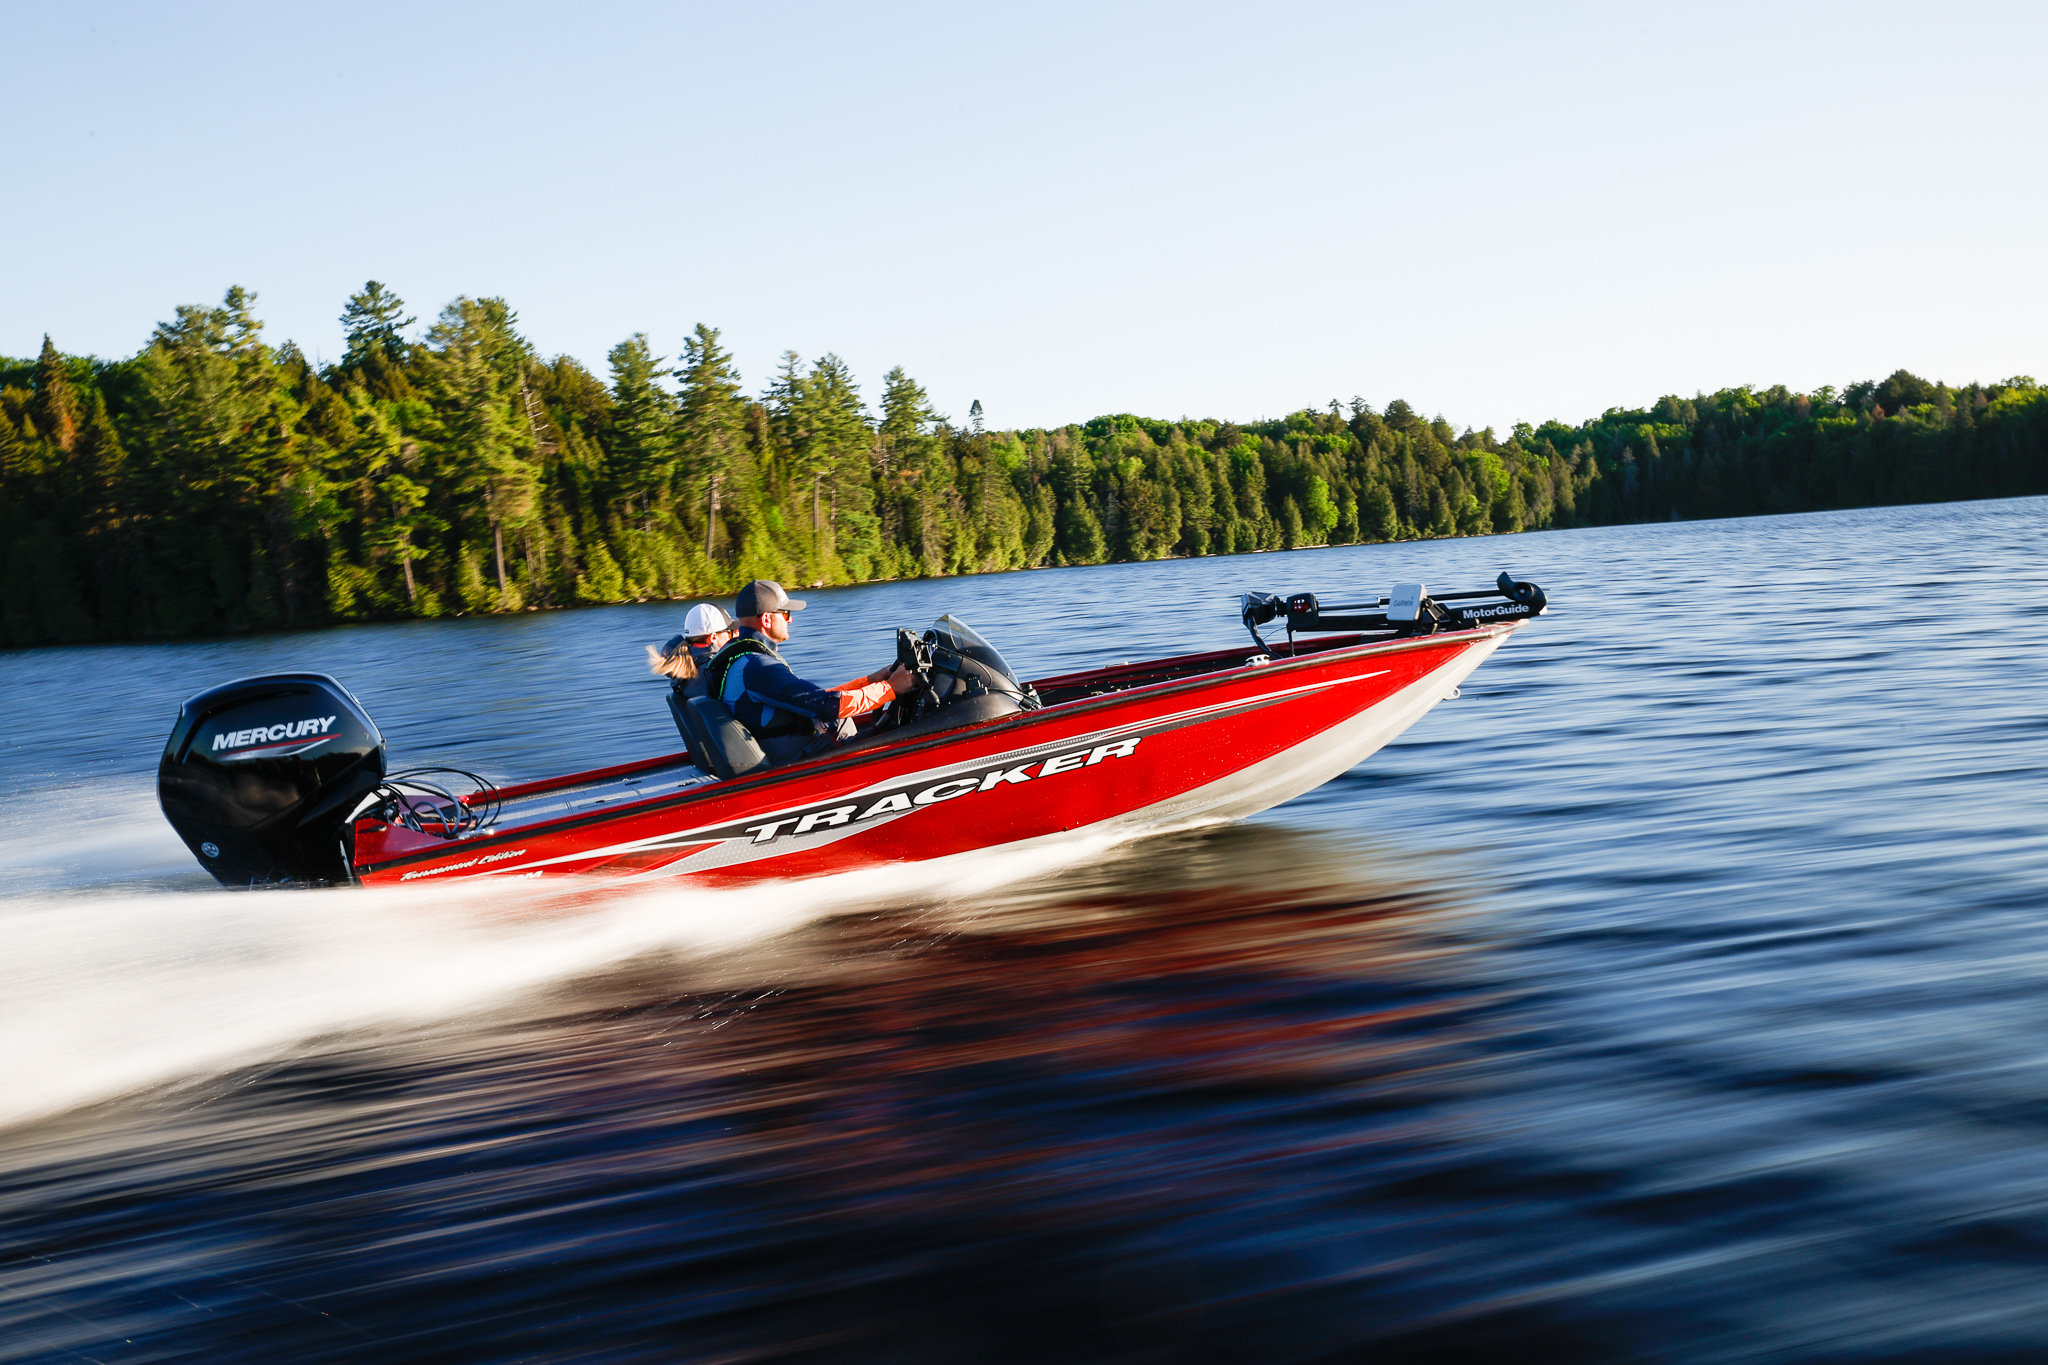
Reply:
x=675, y=708
x=730, y=749
x=693, y=736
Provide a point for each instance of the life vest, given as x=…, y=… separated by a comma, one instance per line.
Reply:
x=722, y=665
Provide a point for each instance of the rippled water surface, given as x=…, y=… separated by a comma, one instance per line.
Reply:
x=1678, y=993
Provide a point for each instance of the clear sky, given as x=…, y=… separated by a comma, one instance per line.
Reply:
x=1499, y=212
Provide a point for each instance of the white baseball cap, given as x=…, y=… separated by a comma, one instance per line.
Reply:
x=705, y=619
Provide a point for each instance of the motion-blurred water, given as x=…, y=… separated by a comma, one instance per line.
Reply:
x=1679, y=993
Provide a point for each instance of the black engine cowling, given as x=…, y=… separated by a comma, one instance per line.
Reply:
x=260, y=776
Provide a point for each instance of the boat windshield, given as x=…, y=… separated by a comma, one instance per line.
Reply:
x=956, y=635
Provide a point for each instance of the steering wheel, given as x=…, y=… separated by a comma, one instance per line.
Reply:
x=914, y=655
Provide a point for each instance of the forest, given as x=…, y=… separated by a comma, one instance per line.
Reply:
x=214, y=483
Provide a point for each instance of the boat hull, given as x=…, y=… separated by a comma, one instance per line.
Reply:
x=1217, y=747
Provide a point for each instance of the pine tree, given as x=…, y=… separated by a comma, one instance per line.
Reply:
x=713, y=420
x=643, y=435
x=370, y=320
x=907, y=417
x=406, y=500
x=56, y=405
x=833, y=427
x=474, y=366
x=216, y=430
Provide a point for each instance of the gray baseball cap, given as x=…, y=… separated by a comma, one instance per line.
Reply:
x=762, y=596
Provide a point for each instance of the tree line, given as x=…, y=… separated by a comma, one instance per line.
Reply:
x=212, y=482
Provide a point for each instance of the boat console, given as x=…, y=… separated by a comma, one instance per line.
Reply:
x=961, y=679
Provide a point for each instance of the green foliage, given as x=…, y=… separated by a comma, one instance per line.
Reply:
x=643, y=426
x=211, y=483
x=56, y=401
x=712, y=426
x=604, y=581
x=370, y=321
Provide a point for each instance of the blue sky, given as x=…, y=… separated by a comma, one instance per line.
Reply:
x=1497, y=212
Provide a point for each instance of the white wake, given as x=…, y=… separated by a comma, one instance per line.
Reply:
x=122, y=990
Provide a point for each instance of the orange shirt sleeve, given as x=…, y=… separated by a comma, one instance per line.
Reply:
x=860, y=696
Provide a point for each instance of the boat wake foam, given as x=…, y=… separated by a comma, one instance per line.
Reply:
x=91, y=840
x=113, y=994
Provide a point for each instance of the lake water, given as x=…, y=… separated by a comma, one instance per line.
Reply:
x=1678, y=993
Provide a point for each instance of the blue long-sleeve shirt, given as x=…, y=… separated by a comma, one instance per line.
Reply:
x=764, y=695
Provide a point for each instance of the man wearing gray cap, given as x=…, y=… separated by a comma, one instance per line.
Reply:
x=790, y=717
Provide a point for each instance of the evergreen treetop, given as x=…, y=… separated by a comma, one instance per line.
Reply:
x=370, y=320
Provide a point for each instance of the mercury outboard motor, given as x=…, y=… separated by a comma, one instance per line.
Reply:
x=261, y=775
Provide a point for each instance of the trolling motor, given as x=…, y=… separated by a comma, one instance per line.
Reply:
x=1409, y=610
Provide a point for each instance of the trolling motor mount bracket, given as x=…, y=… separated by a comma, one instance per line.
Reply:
x=1409, y=610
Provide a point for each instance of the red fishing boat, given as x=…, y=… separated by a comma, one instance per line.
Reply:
x=282, y=779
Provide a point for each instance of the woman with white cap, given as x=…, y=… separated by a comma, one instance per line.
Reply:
x=706, y=630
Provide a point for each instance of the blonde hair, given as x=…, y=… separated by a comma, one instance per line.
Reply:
x=681, y=665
